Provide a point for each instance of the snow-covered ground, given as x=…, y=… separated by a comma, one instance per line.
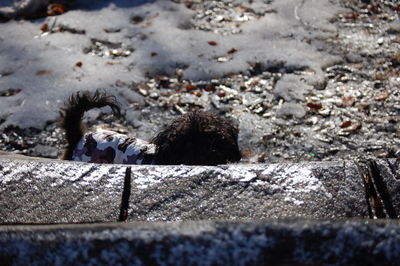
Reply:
x=149, y=38
x=305, y=79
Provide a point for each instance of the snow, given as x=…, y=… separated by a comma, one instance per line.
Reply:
x=276, y=37
x=296, y=181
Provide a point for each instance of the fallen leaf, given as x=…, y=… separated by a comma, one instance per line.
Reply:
x=78, y=64
x=315, y=106
x=198, y=94
x=353, y=127
x=190, y=87
x=362, y=106
x=221, y=94
x=136, y=19
x=189, y=4
x=65, y=28
x=381, y=96
x=348, y=101
x=44, y=27
x=154, y=54
x=351, y=16
x=6, y=74
x=232, y=51
x=9, y=92
x=212, y=43
x=112, y=30
x=209, y=88
x=42, y=72
x=113, y=63
x=345, y=124
x=55, y=9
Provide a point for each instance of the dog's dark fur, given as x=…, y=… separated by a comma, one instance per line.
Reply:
x=195, y=138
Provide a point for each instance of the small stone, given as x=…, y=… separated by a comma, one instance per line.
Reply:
x=325, y=112
x=143, y=92
x=223, y=59
x=313, y=120
x=380, y=97
x=291, y=109
x=394, y=27
x=348, y=101
x=154, y=95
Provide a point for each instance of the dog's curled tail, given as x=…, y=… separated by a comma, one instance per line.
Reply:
x=71, y=115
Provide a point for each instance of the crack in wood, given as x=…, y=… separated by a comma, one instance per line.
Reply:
x=123, y=214
x=382, y=189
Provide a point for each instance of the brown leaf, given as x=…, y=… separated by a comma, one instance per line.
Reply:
x=353, y=127
x=380, y=97
x=7, y=73
x=297, y=134
x=348, y=101
x=221, y=94
x=351, y=16
x=345, y=124
x=78, y=64
x=55, y=9
x=212, y=43
x=198, y=94
x=154, y=54
x=209, y=88
x=189, y=4
x=190, y=87
x=44, y=27
x=315, y=106
x=42, y=72
x=232, y=51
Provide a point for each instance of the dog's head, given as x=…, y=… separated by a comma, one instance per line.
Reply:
x=198, y=138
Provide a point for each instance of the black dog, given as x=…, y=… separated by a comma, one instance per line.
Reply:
x=195, y=138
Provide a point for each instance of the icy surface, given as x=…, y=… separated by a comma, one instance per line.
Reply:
x=49, y=67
